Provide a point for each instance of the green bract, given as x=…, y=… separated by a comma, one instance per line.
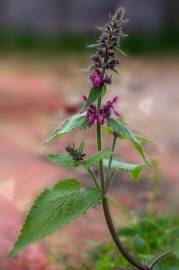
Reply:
x=53, y=208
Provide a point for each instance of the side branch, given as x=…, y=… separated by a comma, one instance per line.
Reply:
x=91, y=173
x=159, y=258
x=110, y=162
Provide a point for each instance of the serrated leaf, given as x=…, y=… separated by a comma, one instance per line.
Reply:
x=124, y=133
x=63, y=159
x=121, y=119
x=95, y=158
x=134, y=169
x=76, y=121
x=54, y=208
x=140, y=245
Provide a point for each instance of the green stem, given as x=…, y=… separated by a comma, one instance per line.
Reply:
x=110, y=162
x=93, y=178
x=106, y=211
x=99, y=146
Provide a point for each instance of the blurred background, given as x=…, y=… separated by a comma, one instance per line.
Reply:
x=42, y=54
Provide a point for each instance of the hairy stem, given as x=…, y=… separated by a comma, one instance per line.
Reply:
x=110, y=163
x=106, y=211
x=99, y=146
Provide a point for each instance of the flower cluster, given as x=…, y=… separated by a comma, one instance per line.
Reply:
x=107, y=45
x=102, y=114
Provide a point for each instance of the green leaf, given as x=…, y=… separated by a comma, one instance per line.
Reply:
x=54, y=208
x=133, y=169
x=124, y=133
x=140, y=245
x=76, y=121
x=63, y=159
x=95, y=158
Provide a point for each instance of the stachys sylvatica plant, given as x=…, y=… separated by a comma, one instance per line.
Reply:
x=66, y=200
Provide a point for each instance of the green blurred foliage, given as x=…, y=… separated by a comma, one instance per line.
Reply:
x=147, y=238
x=166, y=42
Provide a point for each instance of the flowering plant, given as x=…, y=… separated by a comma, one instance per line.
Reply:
x=65, y=201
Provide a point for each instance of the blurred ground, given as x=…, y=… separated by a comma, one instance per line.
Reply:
x=36, y=94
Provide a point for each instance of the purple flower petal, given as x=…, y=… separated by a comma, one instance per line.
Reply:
x=115, y=99
x=97, y=78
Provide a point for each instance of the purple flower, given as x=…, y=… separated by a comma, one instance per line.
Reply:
x=108, y=79
x=102, y=114
x=97, y=78
x=91, y=114
x=108, y=108
x=105, y=57
x=112, y=64
x=101, y=117
x=85, y=98
x=95, y=58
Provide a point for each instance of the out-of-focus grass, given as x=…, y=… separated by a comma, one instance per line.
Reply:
x=166, y=42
